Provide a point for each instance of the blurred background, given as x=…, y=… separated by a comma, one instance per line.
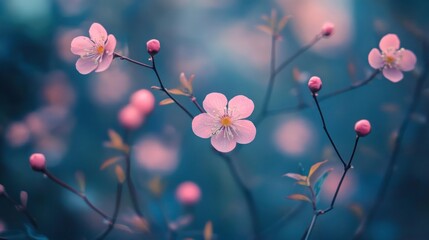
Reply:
x=47, y=106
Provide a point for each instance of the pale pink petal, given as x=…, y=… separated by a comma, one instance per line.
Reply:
x=97, y=33
x=202, y=125
x=240, y=107
x=408, y=61
x=110, y=45
x=393, y=74
x=215, y=104
x=245, y=131
x=86, y=65
x=81, y=45
x=375, y=59
x=222, y=143
x=106, y=60
x=389, y=41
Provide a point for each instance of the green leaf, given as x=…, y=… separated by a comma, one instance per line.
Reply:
x=314, y=168
x=166, y=101
x=299, y=197
x=110, y=162
x=319, y=183
x=296, y=176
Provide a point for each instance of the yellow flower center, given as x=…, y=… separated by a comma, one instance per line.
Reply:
x=389, y=59
x=226, y=121
x=100, y=49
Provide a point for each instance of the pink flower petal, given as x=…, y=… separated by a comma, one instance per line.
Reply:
x=240, y=107
x=222, y=143
x=408, y=61
x=97, y=33
x=215, y=103
x=202, y=125
x=110, y=45
x=246, y=131
x=389, y=41
x=375, y=59
x=80, y=45
x=393, y=74
x=105, y=62
x=86, y=65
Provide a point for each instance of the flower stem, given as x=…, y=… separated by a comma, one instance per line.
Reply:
x=77, y=193
x=250, y=202
x=161, y=85
x=20, y=208
x=117, y=55
x=194, y=100
x=326, y=129
x=115, y=212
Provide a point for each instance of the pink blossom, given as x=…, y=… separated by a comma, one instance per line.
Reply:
x=130, y=117
x=328, y=29
x=153, y=46
x=314, y=84
x=96, y=52
x=143, y=100
x=392, y=60
x=225, y=124
x=38, y=161
x=188, y=193
x=362, y=127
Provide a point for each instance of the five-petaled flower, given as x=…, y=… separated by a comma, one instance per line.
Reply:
x=392, y=59
x=96, y=52
x=224, y=121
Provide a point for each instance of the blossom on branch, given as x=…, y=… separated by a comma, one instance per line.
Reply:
x=96, y=52
x=392, y=60
x=224, y=121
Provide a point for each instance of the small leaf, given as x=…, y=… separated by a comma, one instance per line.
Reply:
x=177, y=91
x=123, y=227
x=304, y=183
x=208, y=231
x=282, y=23
x=314, y=168
x=190, y=81
x=120, y=174
x=24, y=198
x=187, y=84
x=265, y=29
x=319, y=183
x=299, y=197
x=115, y=138
x=156, y=88
x=80, y=178
x=296, y=176
x=166, y=101
x=110, y=162
x=155, y=186
x=357, y=210
x=140, y=223
x=266, y=18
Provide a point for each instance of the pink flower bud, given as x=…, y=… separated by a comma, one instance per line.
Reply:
x=328, y=29
x=314, y=84
x=362, y=128
x=38, y=162
x=1, y=189
x=130, y=117
x=153, y=46
x=143, y=100
x=188, y=193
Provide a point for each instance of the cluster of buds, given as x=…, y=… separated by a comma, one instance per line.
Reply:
x=140, y=105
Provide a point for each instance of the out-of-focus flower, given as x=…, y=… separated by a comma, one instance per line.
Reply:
x=224, y=123
x=392, y=60
x=188, y=193
x=38, y=162
x=96, y=52
x=155, y=155
x=18, y=134
x=314, y=84
x=109, y=88
x=362, y=127
x=143, y=100
x=293, y=136
x=130, y=117
x=328, y=29
x=153, y=46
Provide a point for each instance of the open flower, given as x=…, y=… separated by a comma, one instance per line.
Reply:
x=225, y=124
x=96, y=52
x=392, y=59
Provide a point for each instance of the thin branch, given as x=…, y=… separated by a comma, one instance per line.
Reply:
x=117, y=55
x=195, y=102
x=20, y=208
x=115, y=212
